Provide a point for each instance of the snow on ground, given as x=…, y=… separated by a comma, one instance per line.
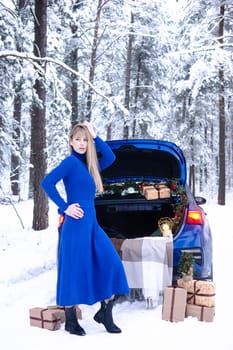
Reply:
x=28, y=279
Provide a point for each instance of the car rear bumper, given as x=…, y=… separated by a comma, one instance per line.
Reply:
x=197, y=240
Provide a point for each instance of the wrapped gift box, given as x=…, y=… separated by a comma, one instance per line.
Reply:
x=150, y=192
x=45, y=318
x=199, y=292
x=163, y=191
x=202, y=313
x=146, y=187
x=61, y=309
x=174, y=304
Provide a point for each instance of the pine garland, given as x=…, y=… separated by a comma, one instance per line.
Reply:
x=137, y=186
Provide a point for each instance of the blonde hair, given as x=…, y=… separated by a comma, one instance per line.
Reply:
x=91, y=155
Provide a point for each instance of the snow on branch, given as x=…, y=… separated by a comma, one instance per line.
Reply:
x=4, y=7
x=31, y=57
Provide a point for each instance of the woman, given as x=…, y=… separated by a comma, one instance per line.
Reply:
x=89, y=268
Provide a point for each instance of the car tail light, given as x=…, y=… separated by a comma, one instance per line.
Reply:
x=61, y=220
x=194, y=217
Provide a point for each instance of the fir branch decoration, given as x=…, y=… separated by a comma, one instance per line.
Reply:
x=137, y=186
x=186, y=263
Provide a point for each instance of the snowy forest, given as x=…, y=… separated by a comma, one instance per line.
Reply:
x=159, y=69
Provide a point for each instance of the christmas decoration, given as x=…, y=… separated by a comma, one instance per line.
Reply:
x=185, y=266
x=165, y=225
x=179, y=191
x=131, y=187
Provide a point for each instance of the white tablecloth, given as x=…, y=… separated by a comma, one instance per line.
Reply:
x=148, y=264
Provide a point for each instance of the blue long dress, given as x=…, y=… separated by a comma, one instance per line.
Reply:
x=89, y=268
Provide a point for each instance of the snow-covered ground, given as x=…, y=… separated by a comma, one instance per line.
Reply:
x=28, y=279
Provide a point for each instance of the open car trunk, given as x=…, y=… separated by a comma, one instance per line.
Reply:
x=122, y=210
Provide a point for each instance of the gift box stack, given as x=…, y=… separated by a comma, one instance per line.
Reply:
x=156, y=191
x=50, y=317
x=200, y=299
x=189, y=298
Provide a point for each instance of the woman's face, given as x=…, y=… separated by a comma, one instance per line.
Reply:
x=79, y=142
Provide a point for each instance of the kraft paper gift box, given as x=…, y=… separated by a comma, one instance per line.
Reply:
x=146, y=187
x=45, y=318
x=199, y=292
x=163, y=191
x=174, y=304
x=61, y=309
x=202, y=313
x=150, y=192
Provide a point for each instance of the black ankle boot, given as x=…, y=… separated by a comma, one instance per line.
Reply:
x=104, y=316
x=72, y=324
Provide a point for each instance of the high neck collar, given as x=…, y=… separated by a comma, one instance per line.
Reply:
x=80, y=156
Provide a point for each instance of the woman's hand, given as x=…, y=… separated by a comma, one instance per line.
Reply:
x=75, y=211
x=90, y=128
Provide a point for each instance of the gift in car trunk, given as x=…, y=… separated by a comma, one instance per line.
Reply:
x=142, y=186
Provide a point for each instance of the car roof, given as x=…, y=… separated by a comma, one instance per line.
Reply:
x=146, y=159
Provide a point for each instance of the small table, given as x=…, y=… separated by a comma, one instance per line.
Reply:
x=148, y=264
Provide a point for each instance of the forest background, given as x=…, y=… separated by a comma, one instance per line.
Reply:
x=158, y=69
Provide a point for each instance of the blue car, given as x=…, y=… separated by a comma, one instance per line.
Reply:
x=127, y=208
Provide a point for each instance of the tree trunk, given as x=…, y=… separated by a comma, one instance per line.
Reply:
x=93, y=60
x=137, y=92
x=127, y=78
x=222, y=131
x=192, y=178
x=15, y=163
x=74, y=83
x=38, y=122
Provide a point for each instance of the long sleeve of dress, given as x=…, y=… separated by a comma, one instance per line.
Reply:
x=105, y=155
x=71, y=170
x=51, y=179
